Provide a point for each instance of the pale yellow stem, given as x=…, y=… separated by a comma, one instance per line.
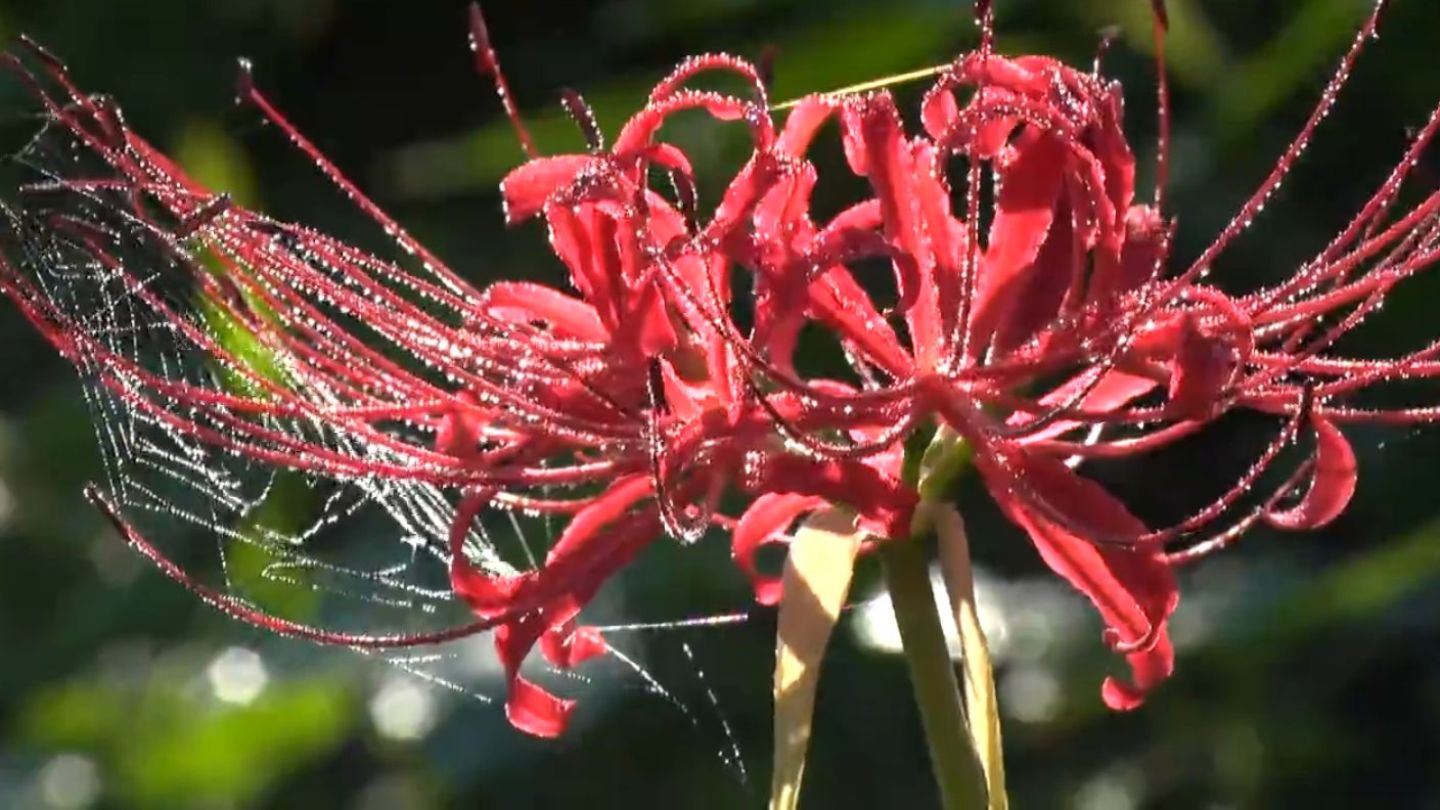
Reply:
x=816, y=582
x=981, y=706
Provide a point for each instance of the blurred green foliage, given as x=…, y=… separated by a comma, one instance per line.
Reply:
x=1309, y=673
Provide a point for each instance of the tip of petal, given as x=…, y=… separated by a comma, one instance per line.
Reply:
x=525, y=190
x=1148, y=670
x=1120, y=696
x=537, y=712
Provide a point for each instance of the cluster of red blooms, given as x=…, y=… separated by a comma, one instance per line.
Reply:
x=1038, y=319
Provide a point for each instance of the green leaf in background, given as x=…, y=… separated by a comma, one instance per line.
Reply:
x=211, y=155
x=165, y=746
x=1298, y=56
x=1194, y=50
x=876, y=43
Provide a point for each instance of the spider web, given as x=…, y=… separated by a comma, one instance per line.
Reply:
x=257, y=445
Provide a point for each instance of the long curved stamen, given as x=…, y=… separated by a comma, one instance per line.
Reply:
x=1160, y=29
x=488, y=64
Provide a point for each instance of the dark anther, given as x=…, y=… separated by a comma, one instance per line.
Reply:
x=244, y=80
x=480, y=41
x=685, y=199
x=52, y=62
x=655, y=383
x=1161, y=15
x=583, y=116
x=765, y=66
x=1307, y=401
x=1107, y=38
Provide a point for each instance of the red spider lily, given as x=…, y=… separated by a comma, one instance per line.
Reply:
x=641, y=398
x=1070, y=283
x=371, y=370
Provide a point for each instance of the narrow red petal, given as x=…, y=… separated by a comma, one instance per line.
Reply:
x=1137, y=261
x=1025, y=210
x=1114, y=390
x=1332, y=483
x=458, y=433
x=938, y=297
x=524, y=302
x=802, y=123
x=1132, y=587
x=1107, y=140
x=1038, y=296
x=600, y=539
x=875, y=139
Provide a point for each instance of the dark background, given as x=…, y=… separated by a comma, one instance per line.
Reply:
x=1308, y=673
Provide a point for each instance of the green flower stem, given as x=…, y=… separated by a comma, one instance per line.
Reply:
x=937, y=691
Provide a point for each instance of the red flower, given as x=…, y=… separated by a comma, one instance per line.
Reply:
x=623, y=400
x=1067, y=279
x=642, y=400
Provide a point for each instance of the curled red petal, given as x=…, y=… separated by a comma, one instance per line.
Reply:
x=938, y=111
x=765, y=521
x=1332, y=483
x=1107, y=139
x=938, y=297
x=487, y=595
x=525, y=190
x=1114, y=390
x=639, y=131
x=745, y=191
x=786, y=205
x=577, y=237
x=645, y=328
x=535, y=711
x=671, y=157
x=1137, y=261
x=1148, y=668
x=528, y=707
x=801, y=124
x=843, y=305
x=1025, y=205
x=458, y=433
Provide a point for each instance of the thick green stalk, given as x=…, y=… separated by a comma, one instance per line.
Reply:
x=937, y=691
